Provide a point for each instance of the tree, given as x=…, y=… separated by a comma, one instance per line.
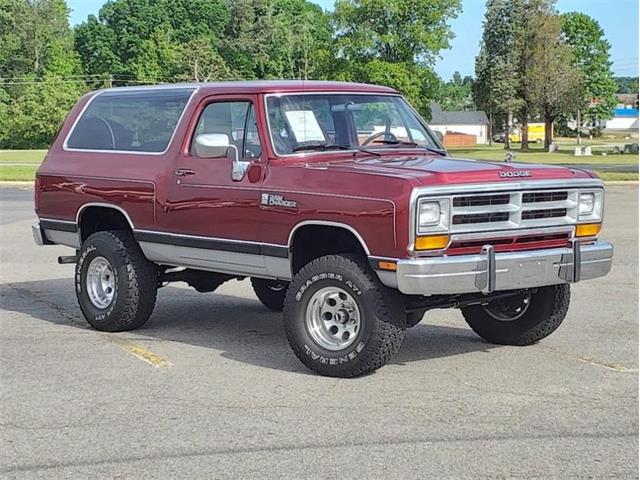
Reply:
x=278, y=39
x=37, y=114
x=457, y=93
x=626, y=84
x=394, y=42
x=39, y=71
x=591, y=56
x=554, y=84
x=497, y=72
x=144, y=41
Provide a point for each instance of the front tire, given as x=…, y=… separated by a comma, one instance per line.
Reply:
x=115, y=284
x=521, y=320
x=340, y=320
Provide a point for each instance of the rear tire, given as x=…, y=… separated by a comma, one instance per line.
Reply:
x=115, y=284
x=519, y=322
x=340, y=320
x=270, y=292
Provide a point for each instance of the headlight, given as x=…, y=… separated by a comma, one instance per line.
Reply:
x=432, y=215
x=590, y=206
x=587, y=202
x=428, y=214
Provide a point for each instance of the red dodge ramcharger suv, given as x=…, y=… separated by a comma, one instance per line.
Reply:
x=336, y=199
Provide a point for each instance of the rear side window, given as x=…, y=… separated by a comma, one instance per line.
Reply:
x=137, y=121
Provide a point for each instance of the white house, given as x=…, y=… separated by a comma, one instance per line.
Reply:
x=469, y=122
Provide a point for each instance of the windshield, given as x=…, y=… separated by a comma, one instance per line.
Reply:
x=344, y=121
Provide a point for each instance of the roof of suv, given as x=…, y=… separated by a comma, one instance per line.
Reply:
x=271, y=86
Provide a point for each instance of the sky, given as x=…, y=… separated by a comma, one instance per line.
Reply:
x=618, y=18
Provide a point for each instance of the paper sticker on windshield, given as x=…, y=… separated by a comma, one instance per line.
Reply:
x=304, y=126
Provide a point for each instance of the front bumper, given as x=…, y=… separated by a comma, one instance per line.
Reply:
x=490, y=271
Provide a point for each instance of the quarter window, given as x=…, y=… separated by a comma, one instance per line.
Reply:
x=137, y=121
x=236, y=120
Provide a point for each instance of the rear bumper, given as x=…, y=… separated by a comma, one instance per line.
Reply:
x=490, y=271
x=38, y=236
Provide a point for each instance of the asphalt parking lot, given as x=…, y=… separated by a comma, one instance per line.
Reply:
x=209, y=387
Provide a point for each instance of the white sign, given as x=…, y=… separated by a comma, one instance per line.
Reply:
x=304, y=126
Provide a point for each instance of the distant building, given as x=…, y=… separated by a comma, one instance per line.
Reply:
x=473, y=123
x=625, y=116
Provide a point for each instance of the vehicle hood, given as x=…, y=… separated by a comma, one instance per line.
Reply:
x=430, y=170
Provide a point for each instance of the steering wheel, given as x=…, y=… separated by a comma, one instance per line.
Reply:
x=388, y=136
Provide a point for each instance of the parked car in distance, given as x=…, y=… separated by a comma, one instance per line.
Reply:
x=335, y=199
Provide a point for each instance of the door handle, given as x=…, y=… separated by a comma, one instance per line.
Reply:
x=183, y=172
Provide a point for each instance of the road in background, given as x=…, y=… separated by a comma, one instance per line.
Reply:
x=210, y=388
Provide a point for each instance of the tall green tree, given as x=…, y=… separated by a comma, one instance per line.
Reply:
x=497, y=64
x=554, y=84
x=591, y=56
x=394, y=42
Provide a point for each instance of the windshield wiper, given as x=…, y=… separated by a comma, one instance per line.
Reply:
x=320, y=147
x=405, y=143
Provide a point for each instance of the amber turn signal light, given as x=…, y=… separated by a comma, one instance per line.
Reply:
x=432, y=242
x=387, y=266
x=588, y=230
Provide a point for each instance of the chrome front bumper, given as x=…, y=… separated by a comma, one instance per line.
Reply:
x=490, y=271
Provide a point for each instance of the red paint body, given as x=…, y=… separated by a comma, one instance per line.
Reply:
x=371, y=194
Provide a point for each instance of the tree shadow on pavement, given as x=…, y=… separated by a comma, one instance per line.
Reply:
x=242, y=329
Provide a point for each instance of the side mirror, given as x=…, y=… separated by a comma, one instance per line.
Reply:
x=212, y=145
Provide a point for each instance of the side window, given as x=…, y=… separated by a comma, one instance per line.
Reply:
x=133, y=120
x=237, y=120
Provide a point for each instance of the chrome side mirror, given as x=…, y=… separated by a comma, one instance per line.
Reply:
x=216, y=145
x=212, y=145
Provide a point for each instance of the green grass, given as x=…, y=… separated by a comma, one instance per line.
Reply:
x=17, y=173
x=537, y=154
x=20, y=165
x=618, y=176
x=22, y=156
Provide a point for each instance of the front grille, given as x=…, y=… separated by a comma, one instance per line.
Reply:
x=471, y=201
x=548, y=213
x=513, y=210
x=480, y=218
x=537, y=197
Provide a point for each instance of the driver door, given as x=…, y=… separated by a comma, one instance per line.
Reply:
x=214, y=216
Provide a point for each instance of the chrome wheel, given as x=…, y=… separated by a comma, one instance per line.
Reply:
x=509, y=309
x=101, y=282
x=333, y=318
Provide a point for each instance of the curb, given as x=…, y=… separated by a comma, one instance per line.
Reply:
x=17, y=183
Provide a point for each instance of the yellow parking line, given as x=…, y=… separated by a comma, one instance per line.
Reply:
x=141, y=353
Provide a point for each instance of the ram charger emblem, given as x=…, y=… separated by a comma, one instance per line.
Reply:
x=514, y=173
x=271, y=200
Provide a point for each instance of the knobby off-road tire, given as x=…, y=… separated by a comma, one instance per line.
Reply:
x=270, y=292
x=380, y=315
x=546, y=311
x=125, y=293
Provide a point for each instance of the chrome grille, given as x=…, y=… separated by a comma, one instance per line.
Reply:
x=513, y=210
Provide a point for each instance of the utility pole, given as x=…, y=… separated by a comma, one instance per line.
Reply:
x=578, y=127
